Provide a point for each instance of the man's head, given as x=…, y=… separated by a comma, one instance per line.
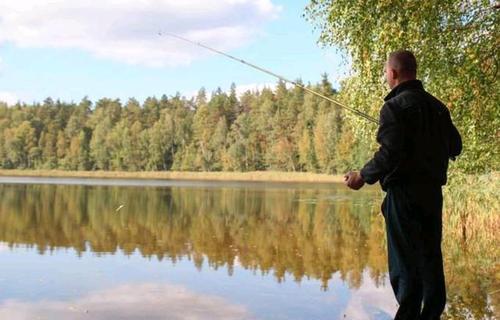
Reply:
x=401, y=66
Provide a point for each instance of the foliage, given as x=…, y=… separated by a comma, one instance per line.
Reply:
x=456, y=44
x=285, y=129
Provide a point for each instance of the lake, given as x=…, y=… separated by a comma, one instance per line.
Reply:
x=155, y=249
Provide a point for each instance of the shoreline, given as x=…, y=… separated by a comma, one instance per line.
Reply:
x=252, y=176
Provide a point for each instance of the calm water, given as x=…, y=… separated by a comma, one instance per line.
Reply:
x=115, y=249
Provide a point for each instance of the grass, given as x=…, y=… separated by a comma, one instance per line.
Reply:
x=471, y=219
x=472, y=205
x=260, y=176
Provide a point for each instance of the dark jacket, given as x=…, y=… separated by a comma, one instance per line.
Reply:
x=416, y=137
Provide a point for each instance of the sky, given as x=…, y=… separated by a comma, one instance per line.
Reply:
x=69, y=49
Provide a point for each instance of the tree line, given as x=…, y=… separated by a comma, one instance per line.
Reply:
x=282, y=129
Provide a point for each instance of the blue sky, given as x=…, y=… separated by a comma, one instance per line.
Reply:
x=68, y=49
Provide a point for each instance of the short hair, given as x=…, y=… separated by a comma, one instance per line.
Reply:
x=403, y=61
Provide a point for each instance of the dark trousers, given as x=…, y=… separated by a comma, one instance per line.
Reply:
x=413, y=217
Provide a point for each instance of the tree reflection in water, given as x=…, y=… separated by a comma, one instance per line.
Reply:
x=303, y=231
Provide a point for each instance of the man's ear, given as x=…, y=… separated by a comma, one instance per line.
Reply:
x=393, y=74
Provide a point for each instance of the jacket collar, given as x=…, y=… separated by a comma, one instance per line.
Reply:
x=403, y=86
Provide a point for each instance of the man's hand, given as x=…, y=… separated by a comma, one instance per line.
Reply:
x=354, y=180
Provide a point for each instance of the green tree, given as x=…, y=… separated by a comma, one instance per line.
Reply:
x=49, y=152
x=99, y=150
x=218, y=144
x=119, y=145
x=21, y=145
x=133, y=111
x=241, y=154
x=307, y=156
x=151, y=112
x=73, y=153
x=61, y=146
x=85, y=161
x=306, y=121
x=137, y=149
x=456, y=43
x=283, y=153
x=161, y=142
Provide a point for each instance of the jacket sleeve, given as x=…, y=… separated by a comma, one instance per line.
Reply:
x=455, y=143
x=390, y=136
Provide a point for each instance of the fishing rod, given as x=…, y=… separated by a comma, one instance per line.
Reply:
x=357, y=112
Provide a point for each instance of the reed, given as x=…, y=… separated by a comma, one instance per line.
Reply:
x=472, y=213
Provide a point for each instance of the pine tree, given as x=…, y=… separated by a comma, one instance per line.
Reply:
x=217, y=144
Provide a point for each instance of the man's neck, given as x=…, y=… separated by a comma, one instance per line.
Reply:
x=400, y=81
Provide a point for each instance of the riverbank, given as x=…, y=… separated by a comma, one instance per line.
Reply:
x=253, y=176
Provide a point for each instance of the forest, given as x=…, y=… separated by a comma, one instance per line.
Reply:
x=285, y=129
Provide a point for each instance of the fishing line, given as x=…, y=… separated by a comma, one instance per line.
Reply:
x=357, y=112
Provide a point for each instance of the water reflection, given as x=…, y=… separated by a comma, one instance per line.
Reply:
x=136, y=301
x=298, y=232
x=271, y=231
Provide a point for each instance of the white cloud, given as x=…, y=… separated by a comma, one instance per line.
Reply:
x=127, y=30
x=371, y=301
x=135, y=301
x=4, y=246
x=252, y=87
x=8, y=97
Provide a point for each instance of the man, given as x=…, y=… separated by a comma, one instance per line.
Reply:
x=417, y=138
